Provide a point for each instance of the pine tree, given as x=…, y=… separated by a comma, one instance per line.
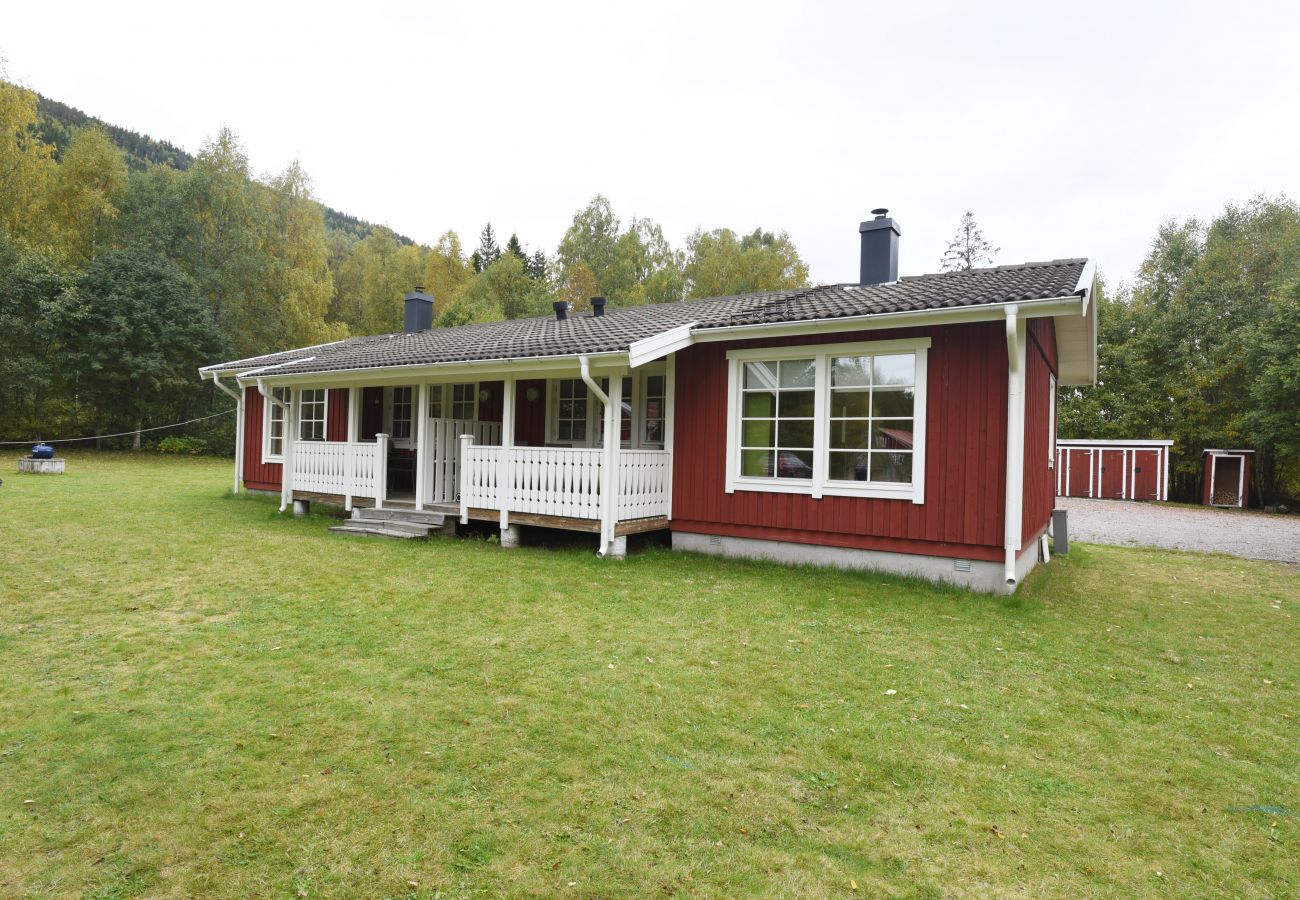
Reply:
x=536, y=265
x=513, y=246
x=968, y=249
x=488, y=252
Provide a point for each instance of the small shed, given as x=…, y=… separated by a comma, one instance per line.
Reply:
x=1113, y=470
x=1227, y=478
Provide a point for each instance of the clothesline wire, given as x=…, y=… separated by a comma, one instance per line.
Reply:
x=95, y=437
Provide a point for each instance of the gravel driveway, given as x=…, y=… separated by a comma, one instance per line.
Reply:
x=1254, y=535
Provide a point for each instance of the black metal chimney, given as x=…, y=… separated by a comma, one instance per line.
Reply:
x=879, y=249
x=597, y=306
x=561, y=308
x=418, y=312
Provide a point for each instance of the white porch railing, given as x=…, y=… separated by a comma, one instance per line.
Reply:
x=442, y=467
x=322, y=467
x=561, y=481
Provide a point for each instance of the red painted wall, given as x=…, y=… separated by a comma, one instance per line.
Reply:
x=1146, y=475
x=336, y=415
x=965, y=457
x=1039, y=476
x=530, y=418
x=258, y=476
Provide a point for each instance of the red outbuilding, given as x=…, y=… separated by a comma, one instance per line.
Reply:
x=1227, y=478
x=1113, y=470
x=903, y=424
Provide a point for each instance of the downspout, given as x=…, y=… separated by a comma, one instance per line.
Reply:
x=1015, y=443
x=238, y=397
x=607, y=473
x=285, y=474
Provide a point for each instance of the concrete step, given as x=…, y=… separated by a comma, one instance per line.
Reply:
x=397, y=515
x=378, y=530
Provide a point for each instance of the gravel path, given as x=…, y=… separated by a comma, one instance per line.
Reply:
x=1253, y=535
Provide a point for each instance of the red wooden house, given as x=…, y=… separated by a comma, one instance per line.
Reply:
x=903, y=424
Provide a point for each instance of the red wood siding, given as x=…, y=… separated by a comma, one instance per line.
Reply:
x=1039, y=476
x=258, y=476
x=530, y=418
x=336, y=415
x=372, y=412
x=490, y=407
x=965, y=456
x=1078, y=466
x=1146, y=475
x=1111, y=475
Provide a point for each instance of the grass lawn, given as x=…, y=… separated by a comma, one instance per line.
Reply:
x=198, y=696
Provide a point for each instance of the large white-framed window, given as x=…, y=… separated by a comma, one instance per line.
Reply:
x=273, y=426
x=571, y=410
x=575, y=417
x=399, y=417
x=654, y=410
x=829, y=420
x=311, y=415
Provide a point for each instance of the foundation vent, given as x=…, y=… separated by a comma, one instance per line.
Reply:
x=961, y=565
x=715, y=540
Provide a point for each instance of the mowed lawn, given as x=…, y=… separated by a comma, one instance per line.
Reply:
x=198, y=696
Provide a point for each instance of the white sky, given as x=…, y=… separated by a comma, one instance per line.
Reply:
x=1070, y=130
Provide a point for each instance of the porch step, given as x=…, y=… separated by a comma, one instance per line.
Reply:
x=434, y=519
x=377, y=529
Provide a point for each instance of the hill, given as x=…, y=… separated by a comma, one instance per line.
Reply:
x=59, y=122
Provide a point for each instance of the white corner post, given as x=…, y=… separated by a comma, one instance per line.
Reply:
x=609, y=456
x=238, y=394
x=1015, y=327
x=421, y=416
x=670, y=403
x=290, y=438
x=381, y=469
x=350, y=453
x=462, y=476
x=505, y=477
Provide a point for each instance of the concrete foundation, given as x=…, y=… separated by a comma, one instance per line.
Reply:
x=301, y=507
x=978, y=575
x=41, y=466
x=618, y=548
x=510, y=537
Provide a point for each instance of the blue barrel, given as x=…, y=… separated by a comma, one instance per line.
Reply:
x=42, y=451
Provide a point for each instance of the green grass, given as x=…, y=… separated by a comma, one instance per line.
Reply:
x=198, y=696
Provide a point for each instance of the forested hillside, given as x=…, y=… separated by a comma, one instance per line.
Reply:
x=126, y=263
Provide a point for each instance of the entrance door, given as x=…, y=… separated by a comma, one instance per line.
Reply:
x=1226, y=490
x=1078, y=466
x=1112, y=475
x=1146, y=475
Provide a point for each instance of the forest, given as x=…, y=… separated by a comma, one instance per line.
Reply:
x=126, y=263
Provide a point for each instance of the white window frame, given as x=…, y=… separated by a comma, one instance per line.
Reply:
x=820, y=485
x=451, y=400
x=1051, y=420
x=596, y=414
x=303, y=403
x=270, y=410
x=642, y=399
x=389, y=398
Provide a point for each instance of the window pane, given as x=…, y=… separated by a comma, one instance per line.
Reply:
x=654, y=409
x=564, y=430
x=891, y=403
x=580, y=430
x=892, y=436
x=654, y=431
x=849, y=434
x=851, y=371
x=852, y=404
x=654, y=385
x=796, y=404
x=756, y=463
x=798, y=373
x=758, y=433
x=849, y=466
x=894, y=467
x=899, y=369
x=798, y=433
x=566, y=409
x=763, y=404
x=760, y=375
x=794, y=463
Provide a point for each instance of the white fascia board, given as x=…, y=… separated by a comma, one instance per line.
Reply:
x=1083, y=442
x=987, y=312
x=601, y=364
x=660, y=345
x=1086, y=278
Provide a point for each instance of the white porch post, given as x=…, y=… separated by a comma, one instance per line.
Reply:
x=504, y=476
x=421, y=416
x=613, y=431
x=290, y=436
x=350, y=476
x=1014, y=487
x=381, y=469
x=462, y=476
x=670, y=401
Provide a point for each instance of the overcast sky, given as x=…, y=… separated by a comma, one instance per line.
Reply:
x=1069, y=130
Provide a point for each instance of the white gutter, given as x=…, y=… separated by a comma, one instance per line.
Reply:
x=1014, y=494
x=239, y=426
x=347, y=376
x=286, y=467
x=608, y=503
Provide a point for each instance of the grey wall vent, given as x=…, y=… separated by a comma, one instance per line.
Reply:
x=961, y=565
x=715, y=540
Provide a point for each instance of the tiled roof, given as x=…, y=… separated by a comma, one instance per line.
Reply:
x=619, y=328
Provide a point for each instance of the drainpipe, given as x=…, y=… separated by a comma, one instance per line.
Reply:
x=607, y=507
x=286, y=474
x=239, y=426
x=1015, y=441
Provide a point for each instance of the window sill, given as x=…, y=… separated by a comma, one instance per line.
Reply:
x=267, y=459
x=828, y=489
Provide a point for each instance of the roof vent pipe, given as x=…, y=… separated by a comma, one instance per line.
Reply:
x=597, y=306
x=561, y=310
x=879, y=249
x=417, y=312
